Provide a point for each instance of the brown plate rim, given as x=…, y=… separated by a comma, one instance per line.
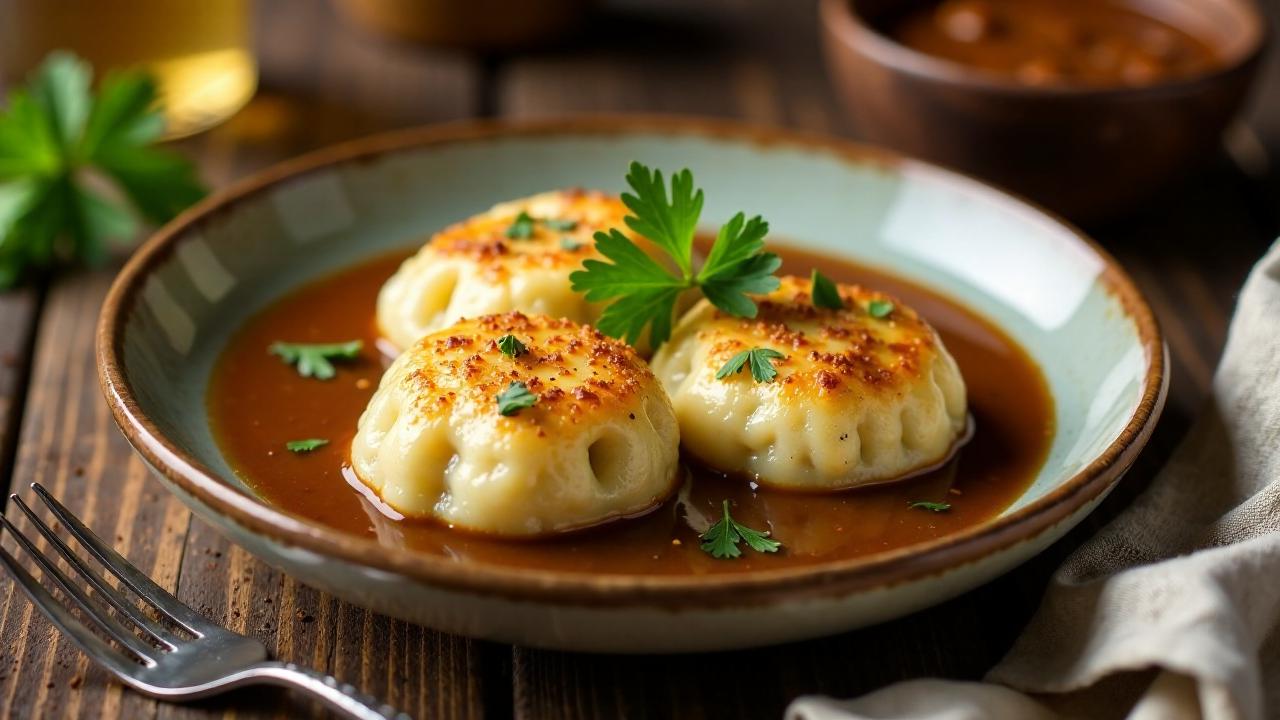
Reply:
x=881, y=570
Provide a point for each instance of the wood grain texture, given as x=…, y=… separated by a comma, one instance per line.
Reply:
x=323, y=83
x=18, y=316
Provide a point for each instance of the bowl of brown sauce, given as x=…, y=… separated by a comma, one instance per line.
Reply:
x=1086, y=106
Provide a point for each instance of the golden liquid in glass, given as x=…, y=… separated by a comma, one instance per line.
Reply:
x=199, y=52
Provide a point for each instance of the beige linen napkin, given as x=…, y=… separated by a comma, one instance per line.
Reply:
x=1172, y=610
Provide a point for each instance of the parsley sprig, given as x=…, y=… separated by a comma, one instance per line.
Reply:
x=721, y=540
x=314, y=360
x=54, y=135
x=760, y=360
x=644, y=292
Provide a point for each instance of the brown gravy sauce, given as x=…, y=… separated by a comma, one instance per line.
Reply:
x=256, y=404
x=1042, y=42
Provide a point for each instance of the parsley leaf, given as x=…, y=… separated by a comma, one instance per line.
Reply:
x=515, y=398
x=879, y=308
x=930, y=506
x=721, y=540
x=521, y=228
x=52, y=134
x=824, y=292
x=759, y=359
x=511, y=346
x=305, y=446
x=313, y=360
x=644, y=291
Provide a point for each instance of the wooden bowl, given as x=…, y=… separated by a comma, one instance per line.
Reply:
x=1087, y=152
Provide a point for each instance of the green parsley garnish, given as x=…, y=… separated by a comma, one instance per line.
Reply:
x=313, y=360
x=511, y=346
x=522, y=227
x=515, y=398
x=930, y=506
x=824, y=292
x=760, y=360
x=53, y=134
x=305, y=446
x=879, y=308
x=644, y=289
x=721, y=540
x=568, y=243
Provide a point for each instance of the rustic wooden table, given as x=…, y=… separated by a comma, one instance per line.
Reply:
x=324, y=82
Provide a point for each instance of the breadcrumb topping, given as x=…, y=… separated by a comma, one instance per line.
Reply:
x=829, y=351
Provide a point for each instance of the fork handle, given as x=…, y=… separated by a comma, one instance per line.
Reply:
x=340, y=697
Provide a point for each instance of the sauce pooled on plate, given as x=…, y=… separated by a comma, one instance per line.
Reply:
x=257, y=404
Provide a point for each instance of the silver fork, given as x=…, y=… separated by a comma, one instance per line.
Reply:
x=164, y=666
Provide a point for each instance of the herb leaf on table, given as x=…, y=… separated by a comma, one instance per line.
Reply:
x=60, y=146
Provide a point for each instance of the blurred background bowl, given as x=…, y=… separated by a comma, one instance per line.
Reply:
x=1086, y=152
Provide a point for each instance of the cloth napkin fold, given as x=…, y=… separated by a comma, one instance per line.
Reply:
x=1172, y=610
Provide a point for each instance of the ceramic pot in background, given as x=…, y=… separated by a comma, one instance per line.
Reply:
x=1087, y=152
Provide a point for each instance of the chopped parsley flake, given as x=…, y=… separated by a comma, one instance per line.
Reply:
x=521, y=228
x=305, y=446
x=937, y=507
x=760, y=361
x=313, y=360
x=824, y=293
x=511, y=346
x=721, y=540
x=879, y=308
x=515, y=398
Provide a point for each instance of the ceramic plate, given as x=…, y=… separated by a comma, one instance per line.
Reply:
x=178, y=300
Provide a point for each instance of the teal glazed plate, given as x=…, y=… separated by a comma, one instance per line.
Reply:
x=1068, y=303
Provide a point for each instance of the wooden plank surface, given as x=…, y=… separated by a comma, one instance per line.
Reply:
x=322, y=83
x=315, y=75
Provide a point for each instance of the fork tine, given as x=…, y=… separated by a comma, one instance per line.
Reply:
x=113, y=596
x=148, y=590
x=91, y=644
x=109, y=625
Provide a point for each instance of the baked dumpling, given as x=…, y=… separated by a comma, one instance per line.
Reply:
x=516, y=256
x=857, y=399
x=600, y=441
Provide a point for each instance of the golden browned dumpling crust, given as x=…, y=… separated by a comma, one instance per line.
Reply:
x=857, y=399
x=600, y=441
x=477, y=267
